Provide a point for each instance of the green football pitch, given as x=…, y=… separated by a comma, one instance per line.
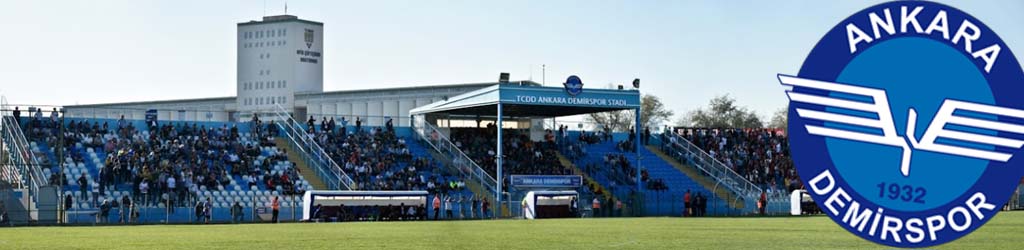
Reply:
x=1005, y=231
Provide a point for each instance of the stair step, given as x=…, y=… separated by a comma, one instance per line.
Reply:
x=304, y=169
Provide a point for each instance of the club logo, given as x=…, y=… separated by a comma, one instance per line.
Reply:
x=309, y=38
x=907, y=122
x=573, y=85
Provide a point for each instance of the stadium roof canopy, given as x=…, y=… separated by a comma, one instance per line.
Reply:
x=527, y=100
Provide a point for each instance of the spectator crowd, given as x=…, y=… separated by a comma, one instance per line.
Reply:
x=759, y=155
x=522, y=155
x=169, y=164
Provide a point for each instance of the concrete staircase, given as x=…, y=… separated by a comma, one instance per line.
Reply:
x=658, y=203
x=695, y=175
x=308, y=173
x=589, y=181
x=419, y=148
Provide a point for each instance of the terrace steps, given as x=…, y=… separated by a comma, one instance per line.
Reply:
x=304, y=169
x=587, y=179
x=696, y=176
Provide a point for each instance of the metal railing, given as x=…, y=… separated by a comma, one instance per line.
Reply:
x=460, y=160
x=714, y=168
x=154, y=209
x=326, y=168
x=19, y=153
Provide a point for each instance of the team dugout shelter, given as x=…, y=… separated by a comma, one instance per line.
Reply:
x=525, y=106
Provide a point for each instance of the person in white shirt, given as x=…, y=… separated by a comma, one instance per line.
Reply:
x=144, y=190
x=171, y=184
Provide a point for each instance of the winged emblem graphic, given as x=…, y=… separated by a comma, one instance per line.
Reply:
x=879, y=106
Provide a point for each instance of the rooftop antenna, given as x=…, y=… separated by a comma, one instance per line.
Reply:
x=531, y=72
x=286, y=7
x=264, y=7
x=543, y=74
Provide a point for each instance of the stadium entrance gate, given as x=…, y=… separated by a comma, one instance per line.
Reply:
x=513, y=104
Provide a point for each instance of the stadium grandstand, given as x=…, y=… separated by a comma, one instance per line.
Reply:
x=244, y=157
x=472, y=151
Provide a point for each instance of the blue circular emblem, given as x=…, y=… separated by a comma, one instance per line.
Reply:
x=906, y=123
x=573, y=85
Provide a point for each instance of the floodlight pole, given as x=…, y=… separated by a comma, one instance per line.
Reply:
x=499, y=154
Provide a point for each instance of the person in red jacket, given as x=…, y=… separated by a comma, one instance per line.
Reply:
x=485, y=208
x=687, y=210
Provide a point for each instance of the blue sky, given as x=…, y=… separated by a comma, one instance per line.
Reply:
x=686, y=52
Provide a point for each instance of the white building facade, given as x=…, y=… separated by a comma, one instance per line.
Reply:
x=278, y=57
x=280, y=61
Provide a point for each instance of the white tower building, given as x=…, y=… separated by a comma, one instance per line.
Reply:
x=277, y=58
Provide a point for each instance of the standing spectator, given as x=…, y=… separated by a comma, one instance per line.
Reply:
x=317, y=213
x=169, y=202
x=647, y=135
x=687, y=205
x=331, y=125
x=199, y=211
x=472, y=207
x=83, y=183
x=311, y=125
x=133, y=214
x=448, y=207
x=701, y=204
x=608, y=202
x=125, y=209
x=485, y=208
x=275, y=205
x=458, y=207
x=574, y=207
x=437, y=206
x=144, y=190
x=255, y=126
x=171, y=185
x=237, y=213
x=53, y=118
x=618, y=208
x=37, y=120
x=104, y=211
x=525, y=208
x=761, y=203
x=67, y=207
x=17, y=115
x=359, y=124
x=596, y=206
x=3, y=215
x=208, y=210
x=121, y=124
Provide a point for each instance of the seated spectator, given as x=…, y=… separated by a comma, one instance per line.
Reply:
x=759, y=155
x=522, y=155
